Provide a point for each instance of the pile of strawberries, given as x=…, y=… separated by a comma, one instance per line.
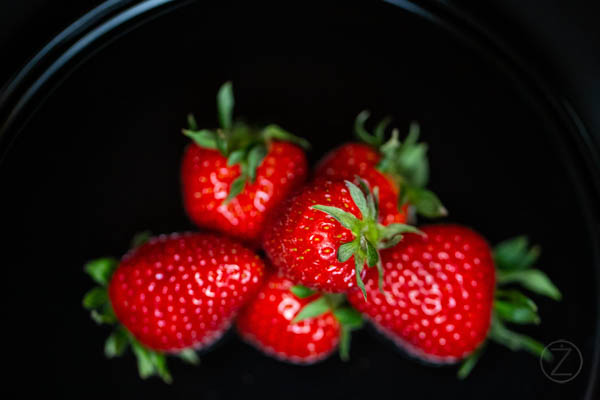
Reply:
x=297, y=264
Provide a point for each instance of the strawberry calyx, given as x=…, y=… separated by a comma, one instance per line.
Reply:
x=514, y=259
x=241, y=144
x=150, y=362
x=369, y=235
x=405, y=163
x=348, y=318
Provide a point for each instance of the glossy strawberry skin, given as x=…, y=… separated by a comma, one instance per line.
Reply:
x=183, y=290
x=352, y=159
x=266, y=323
x=206, y=179
x=438, y=293
x=303, y=242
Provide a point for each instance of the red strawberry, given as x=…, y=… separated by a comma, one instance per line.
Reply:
x=359, y=159
x=234, y=176
x=294, y=324
x=439, y=299
x=175, y=293
x=400, y=170
x=323, y=236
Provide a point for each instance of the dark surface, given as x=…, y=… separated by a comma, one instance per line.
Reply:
x=560, y=38
x=99, y=161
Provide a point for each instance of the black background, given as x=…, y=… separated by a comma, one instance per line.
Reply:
x=99, y=161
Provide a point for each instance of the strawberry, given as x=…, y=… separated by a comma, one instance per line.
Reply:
x=440, y=302
x=234, y=176
x=363, y=159
x=295, y=324
x=323, y=236
x=399, y=169
x=172, y=295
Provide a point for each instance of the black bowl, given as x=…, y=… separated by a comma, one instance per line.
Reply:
x=91, y=148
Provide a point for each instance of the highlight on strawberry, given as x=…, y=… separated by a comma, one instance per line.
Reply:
x=233, y=176
x=171, y=296
x=295, y=324
x=324, y=236
x=445, y=293
x=399, y=168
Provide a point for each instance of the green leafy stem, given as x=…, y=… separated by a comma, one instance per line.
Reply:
x=369, y=235
x=514, y=260
x=405, y=162
x=348, y=317
x=237, y=142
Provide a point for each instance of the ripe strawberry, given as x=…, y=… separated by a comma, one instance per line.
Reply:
x=294, y=324
x=399, y=169
x=439, y=300
x=317, y=232
x=359, y=159
x=234, y=176
x=173, y=294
